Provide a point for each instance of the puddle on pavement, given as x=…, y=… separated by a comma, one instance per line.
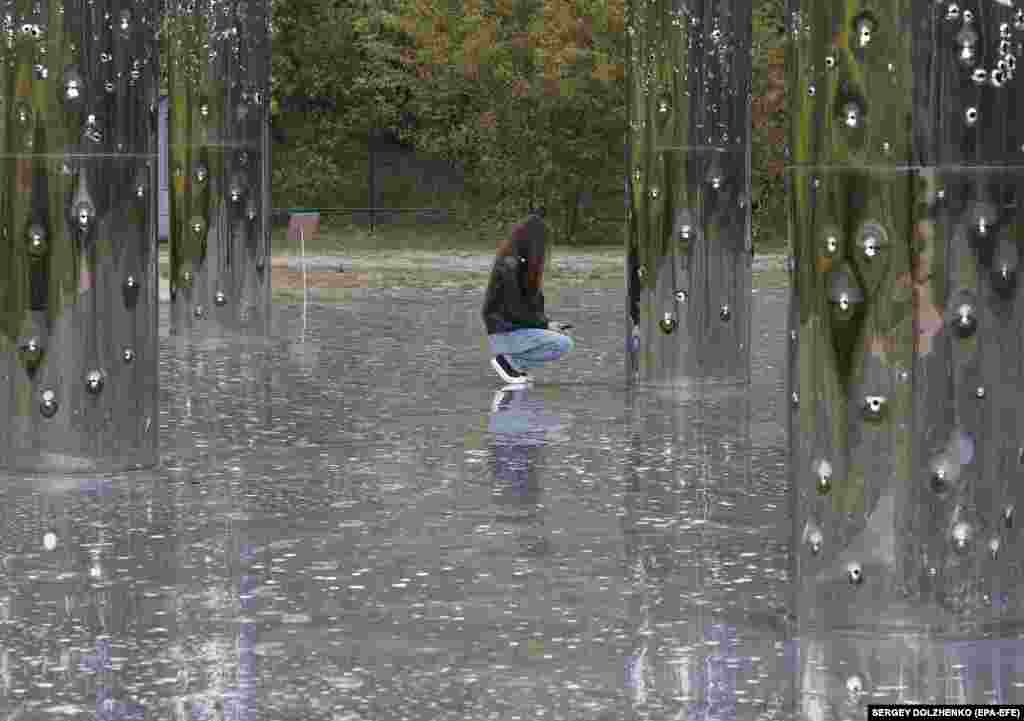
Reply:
x=352, y=522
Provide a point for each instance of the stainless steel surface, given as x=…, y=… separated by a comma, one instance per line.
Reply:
x=688, y=191
x=78, y=279
x=905, y=348
x=218, y=60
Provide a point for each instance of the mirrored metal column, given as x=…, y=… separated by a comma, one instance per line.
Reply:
x=218, y=61
x=78, y=281
x=852, y=344
x=688, y=190
x=906, y=358
x=968, y=455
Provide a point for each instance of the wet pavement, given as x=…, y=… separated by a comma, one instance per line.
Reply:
x=352, y=522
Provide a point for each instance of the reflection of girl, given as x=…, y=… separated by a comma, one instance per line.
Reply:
x=519, y=431
x=520, y=335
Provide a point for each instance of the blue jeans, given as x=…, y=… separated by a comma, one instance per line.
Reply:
x=528, y=348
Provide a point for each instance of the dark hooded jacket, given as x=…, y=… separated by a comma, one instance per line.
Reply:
x=509, y=304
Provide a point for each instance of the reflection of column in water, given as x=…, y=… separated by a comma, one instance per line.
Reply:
x=154, y=604
x=216, y=660
x=651, y=500
x=688, y=188
x=85, y=587
x=905, y=338
x=220, y=398
x=682, y=458
x=218, y=61
x=78, y=279
x=244, y=695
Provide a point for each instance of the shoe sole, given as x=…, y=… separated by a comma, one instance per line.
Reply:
x=505, y=376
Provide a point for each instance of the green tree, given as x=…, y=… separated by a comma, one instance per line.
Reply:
x=526, y=96
x=335, y=78
x=770, y=115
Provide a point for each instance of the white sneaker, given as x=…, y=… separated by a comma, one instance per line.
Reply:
x=507, y=373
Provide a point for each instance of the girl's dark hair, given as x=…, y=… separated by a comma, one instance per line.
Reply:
x=527, y=240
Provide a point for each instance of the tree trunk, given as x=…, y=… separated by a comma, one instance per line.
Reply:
x=906, y=355
x=218, y=75
x=78, y=280
x=688, y=227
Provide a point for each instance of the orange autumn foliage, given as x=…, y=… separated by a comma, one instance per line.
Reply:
x=617, y=16
x=505, y=8
x=557, y=42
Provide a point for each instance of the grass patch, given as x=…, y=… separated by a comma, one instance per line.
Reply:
x=394, y=278
x=393, y=264
x=336, y=238
x=771, y=280
x=333, y=239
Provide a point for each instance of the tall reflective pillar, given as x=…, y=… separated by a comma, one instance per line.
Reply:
x=906, y=363
x=688, y=190
x=218, y=63
x=78, y=276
